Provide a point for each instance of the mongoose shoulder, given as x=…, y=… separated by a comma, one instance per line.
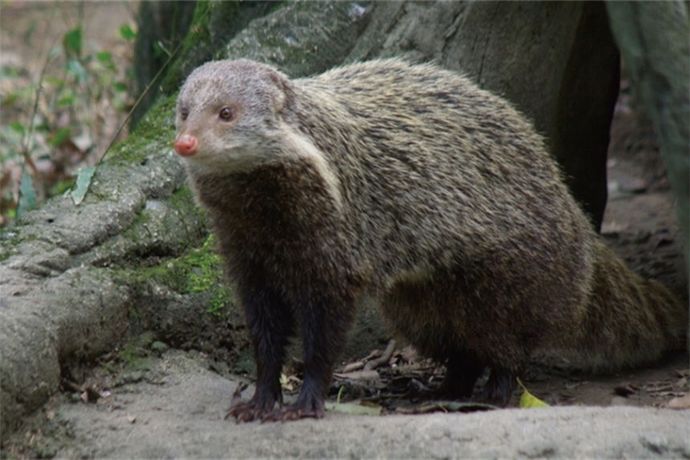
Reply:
x=412, y=184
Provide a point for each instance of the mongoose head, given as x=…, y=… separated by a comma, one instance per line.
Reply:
x=228, y=115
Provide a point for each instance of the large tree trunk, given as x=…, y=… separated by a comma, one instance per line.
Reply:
x=135, y=254
x=655, y=41
x=161, y=27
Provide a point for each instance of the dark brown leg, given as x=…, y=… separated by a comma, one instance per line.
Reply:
x=462, y=372
x=499, y=388
x=270, y=323
x=324, y=326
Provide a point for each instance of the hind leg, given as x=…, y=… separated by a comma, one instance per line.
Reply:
x=499, y=388
x=462, y=372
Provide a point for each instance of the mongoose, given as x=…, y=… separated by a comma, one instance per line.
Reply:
x=411, y=184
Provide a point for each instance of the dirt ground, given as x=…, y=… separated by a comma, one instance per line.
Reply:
x=174, y=405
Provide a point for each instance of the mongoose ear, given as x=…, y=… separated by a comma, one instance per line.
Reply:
x=284, y=92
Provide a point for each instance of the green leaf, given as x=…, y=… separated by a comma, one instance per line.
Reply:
x=27, y=194
x=9, y=72
x=83, y=182
x=61, y=187
x=106, y=59
x=53, y=80
x=42, y=126
x=72, y=42
x=120, y=87
x=60, y=136
x=104, y=56
x=528, y=400
x=9, y=100
x=18, y=127
x=75, y=68
x=127, y=33
x=66, y=101
x=353, y=408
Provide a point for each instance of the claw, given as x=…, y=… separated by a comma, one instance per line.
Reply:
x=249, y=411
x=297, y=413
x=273, y=416
x=243, y=412
x=256, y=408
x=290, y=413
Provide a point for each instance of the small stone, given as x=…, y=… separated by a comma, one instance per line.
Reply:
x=131, y=377
x=619, y=401
x=159, y=347
x=680, y=402
x=539, y=449
x=655, y=443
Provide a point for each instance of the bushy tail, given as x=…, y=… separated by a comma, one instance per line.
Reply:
x=629, y=321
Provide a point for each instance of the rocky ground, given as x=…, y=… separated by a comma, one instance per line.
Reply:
x=174, y=407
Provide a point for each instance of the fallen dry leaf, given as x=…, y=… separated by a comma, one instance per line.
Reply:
x=682, y=402
x=363, y=375
x=353, y=366
x=383, y=359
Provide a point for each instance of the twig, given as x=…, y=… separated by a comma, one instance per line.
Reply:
x=375, y=353
x=354, y=366
x=383, y=359
x=69, y=385
x=237, y=394
x=28, y=137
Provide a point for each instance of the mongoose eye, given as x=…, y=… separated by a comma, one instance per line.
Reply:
x=184, y=113
x=226, y=114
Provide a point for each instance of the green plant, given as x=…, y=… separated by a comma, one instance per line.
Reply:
x=62, y=120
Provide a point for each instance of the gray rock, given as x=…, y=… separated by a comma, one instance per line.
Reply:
x=184, y=418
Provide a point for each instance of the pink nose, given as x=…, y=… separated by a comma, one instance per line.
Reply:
x=186, y=145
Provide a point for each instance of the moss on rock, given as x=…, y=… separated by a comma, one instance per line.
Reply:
x=153, y=134
x=197, y=271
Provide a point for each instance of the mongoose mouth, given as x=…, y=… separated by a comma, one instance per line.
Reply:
x=186, y=145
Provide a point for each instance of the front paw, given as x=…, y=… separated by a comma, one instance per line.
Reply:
x=294, y=412
x=310, y=404
x=246, y=411
x=258, y=407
